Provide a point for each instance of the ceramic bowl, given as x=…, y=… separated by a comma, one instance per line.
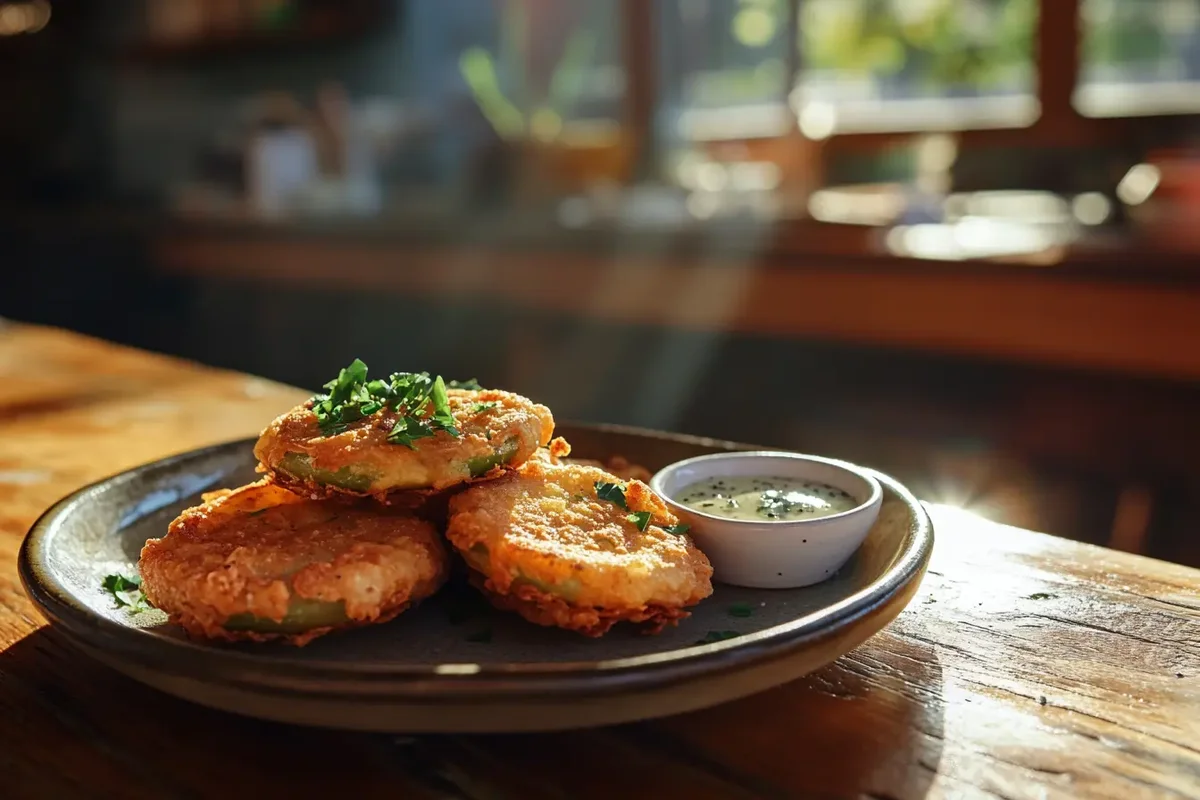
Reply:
x=774, y=554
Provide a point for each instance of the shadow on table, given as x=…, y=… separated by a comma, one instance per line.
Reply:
x=870, y=724
x=71, y=727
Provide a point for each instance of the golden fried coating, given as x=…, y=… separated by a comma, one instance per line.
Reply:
x=260, y=563
x=545, y=545
x=552, y=453
x=557, y=451
x=616, y=466
x=499, y=430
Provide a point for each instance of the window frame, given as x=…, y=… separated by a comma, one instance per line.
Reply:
x=1056, y=121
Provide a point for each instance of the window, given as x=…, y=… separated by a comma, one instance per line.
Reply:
x=845, y=66
x=556, y=72
x=1139, y=57
x=915, y=64
x=724, y=69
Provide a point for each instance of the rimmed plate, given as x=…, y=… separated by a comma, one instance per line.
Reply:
x=453, y=664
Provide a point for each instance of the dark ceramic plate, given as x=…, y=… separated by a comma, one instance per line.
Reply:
x=453, y=664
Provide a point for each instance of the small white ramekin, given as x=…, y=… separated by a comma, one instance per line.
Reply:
x=774, y=554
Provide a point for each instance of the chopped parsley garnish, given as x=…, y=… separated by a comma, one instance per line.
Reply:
x=441, y=407
x=126, y=592
x=615, y=494
x=421, y=402
x=741, y=610
x=677, y=530
x=640, y=518
x=718, y=636
x=343, y=402
x=612, y=492
x=470, y=385
x=481, y=407
x=409, y=429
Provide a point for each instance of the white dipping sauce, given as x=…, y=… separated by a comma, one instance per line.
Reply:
x=770, y=499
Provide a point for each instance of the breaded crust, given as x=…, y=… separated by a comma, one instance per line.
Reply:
x=557, y=451
x=489, y=421
x=552, y=611
x=616, y=466
x=258, y=550
x=553, y=452
x=413, y=500
x=547, y=547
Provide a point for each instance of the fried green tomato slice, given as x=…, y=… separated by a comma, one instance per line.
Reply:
x=542, y=543
x=497, y=430
x=260, y=563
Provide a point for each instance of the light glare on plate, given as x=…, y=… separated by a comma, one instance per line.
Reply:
x=1138, y=184
x=456, y=669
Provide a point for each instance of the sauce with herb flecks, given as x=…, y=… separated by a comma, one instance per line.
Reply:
x=765, y=498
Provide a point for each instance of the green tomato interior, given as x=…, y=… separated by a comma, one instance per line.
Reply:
x=477, y=558
x=481, y=465
x=568, y=590
x=354, y=478
x=302, y=615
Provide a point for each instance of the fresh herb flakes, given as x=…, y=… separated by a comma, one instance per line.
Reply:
x=612, y=492
x=615, y=494
x=640, y=518
x=420, y=400
x=741, y=610
x=127, y=592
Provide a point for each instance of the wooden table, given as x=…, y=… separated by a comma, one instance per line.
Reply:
x=1027, y=667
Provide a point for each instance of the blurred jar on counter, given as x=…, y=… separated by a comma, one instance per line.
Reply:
x=282, y=156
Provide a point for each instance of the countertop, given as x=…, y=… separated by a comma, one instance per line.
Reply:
x=1027, y=666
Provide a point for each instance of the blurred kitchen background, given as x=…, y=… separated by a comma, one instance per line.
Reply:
x=958, y=240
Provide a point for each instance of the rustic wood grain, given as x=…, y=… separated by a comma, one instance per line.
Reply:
x=1027, y=667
